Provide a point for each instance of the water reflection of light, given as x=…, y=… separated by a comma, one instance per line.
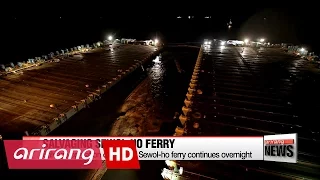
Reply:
x=294, y=65
x=157, y=69
x=157, y=59
x=222, y=47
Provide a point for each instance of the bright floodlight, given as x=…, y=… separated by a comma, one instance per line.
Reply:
x=302, y=49
x=156, y=41
x=181, y=170
x=222, y=43
x=246, y=41
x=109, y=38
x=170, y=163
x=262, y=40
x=209, y=42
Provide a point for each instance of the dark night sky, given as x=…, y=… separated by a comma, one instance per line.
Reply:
x=40, y=33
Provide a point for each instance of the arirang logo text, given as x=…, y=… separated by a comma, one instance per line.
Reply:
x=55, y=154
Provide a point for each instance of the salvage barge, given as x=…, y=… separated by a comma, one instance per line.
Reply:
x=241, y=92
x=41, y=98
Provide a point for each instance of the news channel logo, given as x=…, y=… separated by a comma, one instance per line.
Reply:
x=281, y=148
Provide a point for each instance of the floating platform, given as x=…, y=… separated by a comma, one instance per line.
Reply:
x=38, y=99
x=244, y=91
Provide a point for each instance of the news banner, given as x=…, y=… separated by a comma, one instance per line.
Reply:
x=50, y=152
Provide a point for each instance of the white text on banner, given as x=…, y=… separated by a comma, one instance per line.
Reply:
x=185, y=148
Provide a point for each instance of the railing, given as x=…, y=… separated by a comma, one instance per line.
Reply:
x=170, y=174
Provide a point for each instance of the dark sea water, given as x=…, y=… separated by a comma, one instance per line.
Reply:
x=168, y=88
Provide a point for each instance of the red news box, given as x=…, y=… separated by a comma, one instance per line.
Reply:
x=279, y=141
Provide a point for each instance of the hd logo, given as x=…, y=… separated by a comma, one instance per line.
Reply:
x=281, y=148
